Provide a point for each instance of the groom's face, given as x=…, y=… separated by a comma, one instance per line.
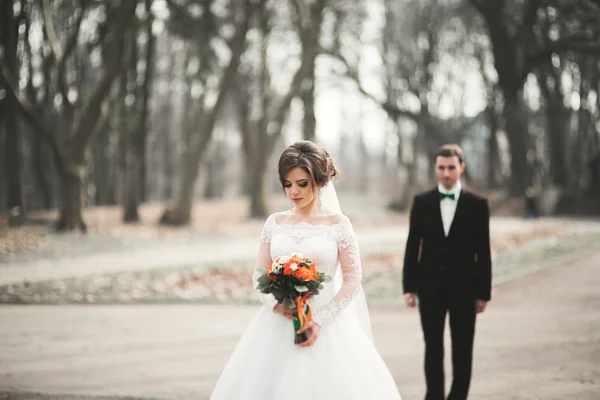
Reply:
x=448, y=170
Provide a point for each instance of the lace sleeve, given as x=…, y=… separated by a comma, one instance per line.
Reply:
x=263, y=260
x=349, y=258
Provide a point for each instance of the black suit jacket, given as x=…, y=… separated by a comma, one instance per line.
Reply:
x=461, y=260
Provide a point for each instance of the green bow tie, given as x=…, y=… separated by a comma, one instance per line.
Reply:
x=446, y=195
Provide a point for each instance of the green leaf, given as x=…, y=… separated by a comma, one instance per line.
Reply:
x=328, y=278
x=261, y=270
x=301, y=288
x=278, y=293
x=264, y=280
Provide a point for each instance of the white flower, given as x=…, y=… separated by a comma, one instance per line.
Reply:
x=277, y=268
x=294, y=266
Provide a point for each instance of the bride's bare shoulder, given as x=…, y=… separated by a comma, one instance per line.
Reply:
x=282, y=217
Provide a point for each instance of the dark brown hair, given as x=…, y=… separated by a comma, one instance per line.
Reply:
x=449, y=150
x=314, y=160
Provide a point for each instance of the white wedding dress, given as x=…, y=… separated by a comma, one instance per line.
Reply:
x=343, y=363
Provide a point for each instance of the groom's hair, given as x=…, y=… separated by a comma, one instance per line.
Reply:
x=449, y=150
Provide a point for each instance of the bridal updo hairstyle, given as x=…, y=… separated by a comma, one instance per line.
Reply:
x=314, y=160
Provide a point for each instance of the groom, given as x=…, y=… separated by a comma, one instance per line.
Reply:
x=447, y=266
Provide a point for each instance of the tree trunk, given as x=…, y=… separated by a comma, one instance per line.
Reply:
x=581, y=166
x=12, y=164
x=135, y=192
x=247, y=131
x=167, y=170
x=180, y=214
x=83, y=131
x=310, y=31
x=518, y=139
x=308, y=100
x=557, y=120
x=71, y=217
x=262, y=153
x=214, y=185
x=258, y=202
x=594, y=170
x=41, y=164
x=365, y=170
x=493, y=149
x=12, y=145
x=146, y=93
x=132, y=191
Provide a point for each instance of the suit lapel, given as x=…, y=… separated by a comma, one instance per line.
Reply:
x=437, y=212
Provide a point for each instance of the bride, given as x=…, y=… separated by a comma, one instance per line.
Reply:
x=339, y=359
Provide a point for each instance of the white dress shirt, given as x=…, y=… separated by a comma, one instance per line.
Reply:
x=448, y=206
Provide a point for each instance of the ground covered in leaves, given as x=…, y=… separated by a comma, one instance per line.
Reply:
x=512, y=254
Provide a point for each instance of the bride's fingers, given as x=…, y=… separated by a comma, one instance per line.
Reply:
x=310, y=341
x=306, y=327
x=290, y=316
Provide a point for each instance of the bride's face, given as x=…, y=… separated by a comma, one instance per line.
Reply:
x=298, y=187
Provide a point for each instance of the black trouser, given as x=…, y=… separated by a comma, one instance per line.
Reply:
x=433, y=306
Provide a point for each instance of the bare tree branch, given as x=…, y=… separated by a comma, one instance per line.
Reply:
x=481, y=5
x=59, y=55
x=92, y=109
x=30, y=115
x=300, y=16
x=557, y=47
x=392, y=110
x=294, y=91
x=72, y=41
x=55, y=46
x=227, y=80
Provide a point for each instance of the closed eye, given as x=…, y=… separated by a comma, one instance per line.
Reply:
x=301, y=184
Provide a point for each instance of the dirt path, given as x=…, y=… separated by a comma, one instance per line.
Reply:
x=538, y=340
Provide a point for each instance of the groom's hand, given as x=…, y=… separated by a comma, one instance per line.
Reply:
x=480, y=306
x=410, y=299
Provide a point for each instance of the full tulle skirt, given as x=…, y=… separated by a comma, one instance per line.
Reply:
x=342, y=364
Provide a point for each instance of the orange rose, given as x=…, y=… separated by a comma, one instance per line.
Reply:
x=287, y=270
x=305, y=274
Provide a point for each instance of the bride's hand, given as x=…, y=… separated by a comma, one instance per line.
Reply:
x=281, y=308
x=315, y=329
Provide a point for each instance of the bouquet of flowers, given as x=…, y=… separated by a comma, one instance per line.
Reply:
x=293, y=279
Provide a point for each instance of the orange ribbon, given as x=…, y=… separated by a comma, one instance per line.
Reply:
x=301, y=302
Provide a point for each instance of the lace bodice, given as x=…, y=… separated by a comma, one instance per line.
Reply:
x=328, y=246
